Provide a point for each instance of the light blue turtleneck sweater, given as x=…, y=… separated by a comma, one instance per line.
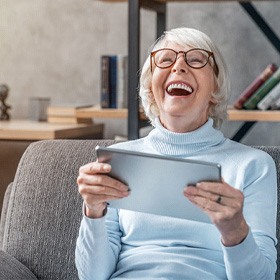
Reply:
x=130, y=245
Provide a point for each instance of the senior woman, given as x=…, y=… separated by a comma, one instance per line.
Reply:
x=184, y=91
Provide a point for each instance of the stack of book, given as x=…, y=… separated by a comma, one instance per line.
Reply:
x=263, y=93
x=114, y=71
x=66, y=114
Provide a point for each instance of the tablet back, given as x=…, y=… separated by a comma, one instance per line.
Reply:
x=157, y=182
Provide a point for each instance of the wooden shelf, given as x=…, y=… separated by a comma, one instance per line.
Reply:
x=33, y=130
x=233, y=114
x=97, y=112
x=253, y=115
x=173, y=1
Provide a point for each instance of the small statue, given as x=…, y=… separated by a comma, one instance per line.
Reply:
x=3, y=106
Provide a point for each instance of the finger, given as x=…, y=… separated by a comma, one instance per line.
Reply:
x=195, y=191
x=102, y=180
x=95, y=167
x=102, y=191
x=219, y=188
x=203, y=199
x=91, y=200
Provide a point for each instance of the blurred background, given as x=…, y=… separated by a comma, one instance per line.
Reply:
x=53, y=49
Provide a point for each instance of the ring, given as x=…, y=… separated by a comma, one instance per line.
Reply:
x=219, y=199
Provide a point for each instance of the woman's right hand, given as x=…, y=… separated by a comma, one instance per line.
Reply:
x=96, y=188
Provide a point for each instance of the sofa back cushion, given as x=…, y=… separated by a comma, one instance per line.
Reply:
x=274, y=151
x=45, y=209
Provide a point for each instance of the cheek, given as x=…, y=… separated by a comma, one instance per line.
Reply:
x=158, y=78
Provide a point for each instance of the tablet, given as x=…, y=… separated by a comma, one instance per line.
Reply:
x=156, y=182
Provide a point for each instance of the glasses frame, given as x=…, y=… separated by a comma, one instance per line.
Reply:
x=152, y=57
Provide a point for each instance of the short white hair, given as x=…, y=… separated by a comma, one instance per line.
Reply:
x=194, y=38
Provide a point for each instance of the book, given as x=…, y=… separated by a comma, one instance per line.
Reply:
x=114, y=72
x=122, y=72
x=270, y=98
x=276, y=105
x=253, y=101
x=113, y=81
x=68, y=120
x=256, y=84
x=105, y=90
x=65, y=110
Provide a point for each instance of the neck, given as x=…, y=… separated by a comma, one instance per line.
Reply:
x=172, y=143
x=181, y=124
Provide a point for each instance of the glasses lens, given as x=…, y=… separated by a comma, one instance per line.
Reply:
x=197, y=58
x=164, y=58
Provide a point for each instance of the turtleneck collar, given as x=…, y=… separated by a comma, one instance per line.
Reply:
x=179, y=144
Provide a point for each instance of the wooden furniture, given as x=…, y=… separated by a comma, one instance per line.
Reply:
x=97, y=112
x=250, y=118
x=33, y=130
x=253, y=115
x=17, y=135
x=160, y=7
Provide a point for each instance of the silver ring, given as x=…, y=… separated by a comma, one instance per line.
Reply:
x=219, y=199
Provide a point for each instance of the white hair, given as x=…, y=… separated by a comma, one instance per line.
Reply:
x=196, y=39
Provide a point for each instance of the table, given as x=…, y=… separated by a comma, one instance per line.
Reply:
x=33, y=130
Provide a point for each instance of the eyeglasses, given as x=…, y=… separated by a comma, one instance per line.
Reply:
x=195, y=58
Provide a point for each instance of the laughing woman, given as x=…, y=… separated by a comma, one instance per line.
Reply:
x=184, y=91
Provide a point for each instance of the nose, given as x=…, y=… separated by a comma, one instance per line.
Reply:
x=180, y=65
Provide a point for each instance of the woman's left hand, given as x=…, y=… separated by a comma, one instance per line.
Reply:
x=224, y=205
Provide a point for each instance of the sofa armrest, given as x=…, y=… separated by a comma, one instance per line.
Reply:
x=4, y=212
x=11, y=268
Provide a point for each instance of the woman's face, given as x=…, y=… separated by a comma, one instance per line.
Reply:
x=182, y=93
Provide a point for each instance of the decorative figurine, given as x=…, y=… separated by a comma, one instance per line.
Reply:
x=3, y=106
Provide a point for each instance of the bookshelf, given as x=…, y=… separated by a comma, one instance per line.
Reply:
x=160, y=8
x=253, y=115
x=233, y=114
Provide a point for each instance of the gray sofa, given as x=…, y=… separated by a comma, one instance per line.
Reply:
x=42, y=210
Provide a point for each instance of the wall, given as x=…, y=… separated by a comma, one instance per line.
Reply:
x=53, y=48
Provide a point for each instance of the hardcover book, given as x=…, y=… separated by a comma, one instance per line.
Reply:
x=69, y=120
x=105, y=75
x=276, y=105
x=122, y=72
x=65, y=110
x=253, y=101
x=256, y=84
x=114, y=71
x=113, y=81
x=270, y=98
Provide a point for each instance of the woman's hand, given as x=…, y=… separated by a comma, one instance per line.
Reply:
x=224, y=206
x=96, y=188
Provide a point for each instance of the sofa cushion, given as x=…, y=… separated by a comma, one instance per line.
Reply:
x=45, y=208
x=12, y=269
x=4, y=212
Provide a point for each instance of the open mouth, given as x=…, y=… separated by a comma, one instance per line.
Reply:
x=179, y=89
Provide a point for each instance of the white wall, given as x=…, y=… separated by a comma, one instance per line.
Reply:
x=53, y=48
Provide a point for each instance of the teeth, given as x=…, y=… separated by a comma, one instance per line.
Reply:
x=179, y=86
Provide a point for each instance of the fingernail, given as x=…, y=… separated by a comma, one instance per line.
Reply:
x=107, y=167
x=126, y=193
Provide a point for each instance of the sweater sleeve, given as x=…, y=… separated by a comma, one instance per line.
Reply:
x=98, y=246
x=255, y=257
